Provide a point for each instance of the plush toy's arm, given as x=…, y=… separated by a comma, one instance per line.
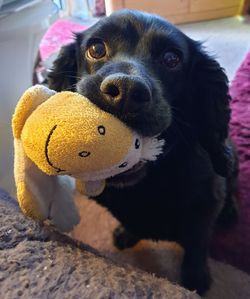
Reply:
x=40, y=196
x=44, y=197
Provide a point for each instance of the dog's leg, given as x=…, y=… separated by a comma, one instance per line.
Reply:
x=229, y=215
x=123, y=239
x=195, y=235
x=195, y=272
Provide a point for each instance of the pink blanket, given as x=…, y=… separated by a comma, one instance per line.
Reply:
x=234, y=246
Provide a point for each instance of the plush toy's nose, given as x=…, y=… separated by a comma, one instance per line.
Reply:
x=126, y=92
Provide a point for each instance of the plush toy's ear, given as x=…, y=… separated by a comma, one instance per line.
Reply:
x=40, y=196
x=30, y=100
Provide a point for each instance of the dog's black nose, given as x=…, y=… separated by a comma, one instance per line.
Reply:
x=126, y=92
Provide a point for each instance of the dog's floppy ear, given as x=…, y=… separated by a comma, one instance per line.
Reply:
x=64, y=71
x=210, y=109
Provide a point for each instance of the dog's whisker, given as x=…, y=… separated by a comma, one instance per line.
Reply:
x=178, y=130
x=61, y=72
x=177, y=116
x=74, y=86
x=182, y=136
x=67, y=73
x=74, y=77
x=182, y=122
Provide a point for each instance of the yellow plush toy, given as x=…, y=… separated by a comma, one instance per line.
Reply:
x=60, y=137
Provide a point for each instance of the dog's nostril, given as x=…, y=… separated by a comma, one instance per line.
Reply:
x=110, y=89
x=124, y=92
x=113, y=91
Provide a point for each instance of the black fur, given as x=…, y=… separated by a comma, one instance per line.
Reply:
x=180, y=196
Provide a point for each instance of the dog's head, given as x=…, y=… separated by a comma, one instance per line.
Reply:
x=150, y=75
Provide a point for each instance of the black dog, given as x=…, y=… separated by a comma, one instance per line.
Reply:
x=160, y=82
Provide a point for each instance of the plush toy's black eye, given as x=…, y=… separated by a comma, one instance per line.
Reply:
x=137, y=143
x=101, y=130
x=84, y=154
x=123, y=165
x=96, y=49
x=171, y=60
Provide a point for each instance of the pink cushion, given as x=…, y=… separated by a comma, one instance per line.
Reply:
x=59, y=34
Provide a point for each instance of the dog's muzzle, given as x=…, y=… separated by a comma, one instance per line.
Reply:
x=130, y=92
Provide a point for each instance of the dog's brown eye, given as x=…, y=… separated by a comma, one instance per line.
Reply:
x=97, y=50
x=171, y=60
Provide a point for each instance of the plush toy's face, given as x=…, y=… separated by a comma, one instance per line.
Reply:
x=67, y=134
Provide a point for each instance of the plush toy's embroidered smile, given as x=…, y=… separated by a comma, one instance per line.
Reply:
x=58, y=170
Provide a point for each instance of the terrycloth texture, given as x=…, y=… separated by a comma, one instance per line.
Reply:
x=163, y=259
x=234, y=246
x=60, y=33
x=37, y=262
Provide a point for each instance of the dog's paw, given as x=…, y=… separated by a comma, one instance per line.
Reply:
x=197, y=280
x=64, y=215
x=123, y=239
x=229, y=215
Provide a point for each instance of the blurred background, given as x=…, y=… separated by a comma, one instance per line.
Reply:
x=32, y=32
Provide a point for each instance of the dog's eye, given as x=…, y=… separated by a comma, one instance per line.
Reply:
x=96, y=50
x=171, y=60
